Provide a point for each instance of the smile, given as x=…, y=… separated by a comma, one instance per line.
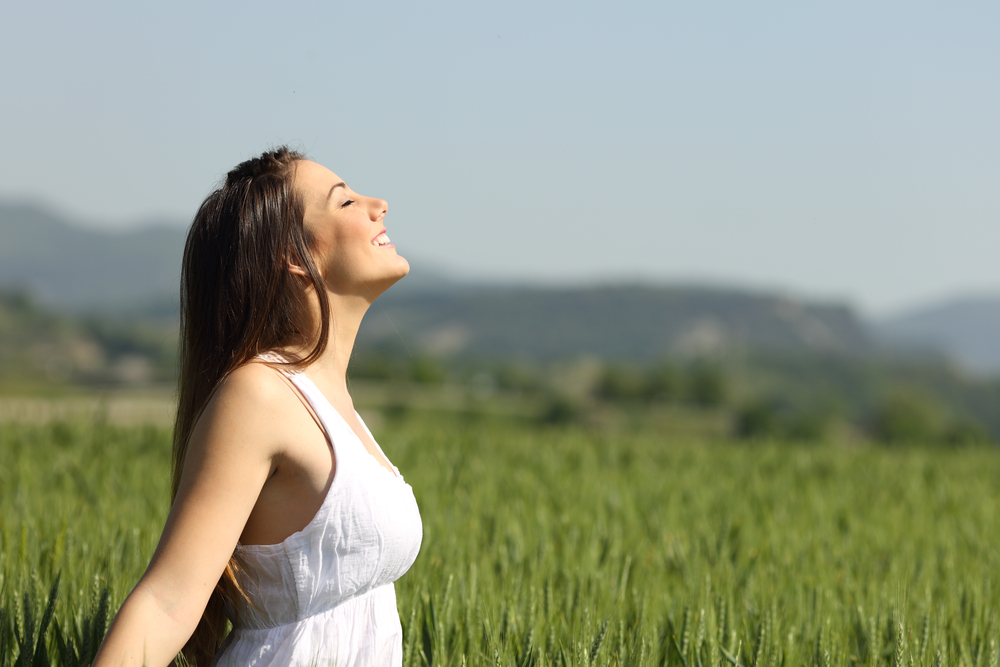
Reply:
x=381, y=240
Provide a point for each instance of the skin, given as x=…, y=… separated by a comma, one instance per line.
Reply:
x=258, y=465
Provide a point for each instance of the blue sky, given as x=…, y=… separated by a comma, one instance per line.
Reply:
x=832, y=150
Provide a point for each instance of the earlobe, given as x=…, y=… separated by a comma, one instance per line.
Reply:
x=294, y=264
x=297, y=270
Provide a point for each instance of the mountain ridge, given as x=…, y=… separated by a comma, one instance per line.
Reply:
x=81, y=269
x=546, y=322
x=968, y=327
x=78, y=269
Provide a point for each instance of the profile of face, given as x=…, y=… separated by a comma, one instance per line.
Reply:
x=349, y=243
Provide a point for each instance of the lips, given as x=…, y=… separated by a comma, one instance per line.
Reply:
x=381, y=239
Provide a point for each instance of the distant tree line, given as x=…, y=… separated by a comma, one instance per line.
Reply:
x=763, y=395
x=883, y=403
x=40, y=348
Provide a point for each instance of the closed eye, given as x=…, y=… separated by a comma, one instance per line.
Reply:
x=347, y=203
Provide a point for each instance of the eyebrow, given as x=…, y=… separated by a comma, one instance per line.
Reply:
x=335, y=186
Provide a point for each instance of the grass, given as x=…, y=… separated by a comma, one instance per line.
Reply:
x=567, y=546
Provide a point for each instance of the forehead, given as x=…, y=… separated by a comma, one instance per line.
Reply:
x=313, y=181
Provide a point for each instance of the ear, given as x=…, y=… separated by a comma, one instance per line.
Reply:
x=295, y=265
x=297, y=269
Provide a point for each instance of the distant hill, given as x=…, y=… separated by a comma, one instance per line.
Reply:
x=623, y=321
x=135, y=274
x=69, y=267
x=968, y=330
x=41, y=347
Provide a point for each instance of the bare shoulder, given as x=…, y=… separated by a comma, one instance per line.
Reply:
x=255, y=391
x=256, y=383
x=248, y=407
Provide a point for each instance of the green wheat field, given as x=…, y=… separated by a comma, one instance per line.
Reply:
x=568, y=546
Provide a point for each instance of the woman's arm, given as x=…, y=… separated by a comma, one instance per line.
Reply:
x=230, y=455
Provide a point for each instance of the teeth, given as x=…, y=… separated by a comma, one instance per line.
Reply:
x=381, y=239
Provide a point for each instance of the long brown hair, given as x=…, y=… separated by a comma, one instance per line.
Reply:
x=237, y=300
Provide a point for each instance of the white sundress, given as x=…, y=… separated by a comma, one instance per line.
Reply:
x=325, y=595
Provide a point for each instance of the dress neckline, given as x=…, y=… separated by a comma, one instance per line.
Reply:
x=301, y=377
x=293, y=374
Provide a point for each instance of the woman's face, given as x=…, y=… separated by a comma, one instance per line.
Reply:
x=349, y=243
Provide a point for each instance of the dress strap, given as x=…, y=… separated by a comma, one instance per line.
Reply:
x=307, y=392
x=272, y=357
x=330, y=420
x=305, y=387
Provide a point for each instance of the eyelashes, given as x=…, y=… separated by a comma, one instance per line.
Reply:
x=347, y=203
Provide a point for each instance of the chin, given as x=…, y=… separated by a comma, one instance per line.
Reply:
x=405, y=267
x=400, y=270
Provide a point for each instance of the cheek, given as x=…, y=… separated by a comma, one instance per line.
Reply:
x=344, y=256
x=341, y=251
x=324, y=254
x=358, y=240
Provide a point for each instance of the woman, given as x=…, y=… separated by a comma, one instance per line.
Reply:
x=287, y=517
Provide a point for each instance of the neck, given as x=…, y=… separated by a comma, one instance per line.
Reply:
x=346, y=313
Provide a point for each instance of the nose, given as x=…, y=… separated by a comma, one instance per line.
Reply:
x=377, y=208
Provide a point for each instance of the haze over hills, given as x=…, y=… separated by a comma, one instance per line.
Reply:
x=637, y=322
x=968, y=328
x=74, y=269
x=66, y=266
